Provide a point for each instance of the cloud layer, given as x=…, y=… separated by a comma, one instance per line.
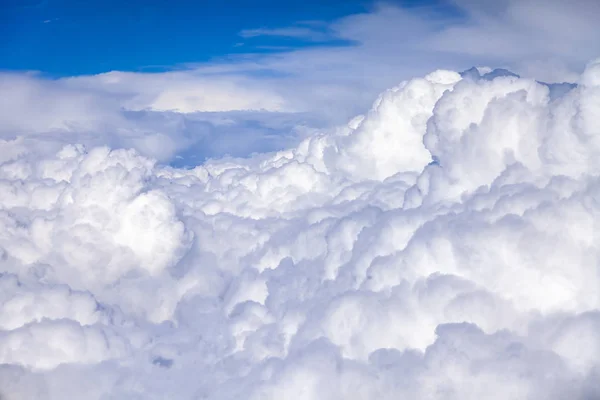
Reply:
x=441, y=246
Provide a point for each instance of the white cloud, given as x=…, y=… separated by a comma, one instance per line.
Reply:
x=296, y=32
x=124, y=110
x=349, y=266
x=442, y=245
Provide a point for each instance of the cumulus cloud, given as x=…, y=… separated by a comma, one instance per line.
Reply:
x=440, y=246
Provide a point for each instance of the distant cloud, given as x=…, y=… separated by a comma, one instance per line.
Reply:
x=331, y=83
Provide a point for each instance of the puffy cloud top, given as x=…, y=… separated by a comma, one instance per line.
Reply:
x=441, y=246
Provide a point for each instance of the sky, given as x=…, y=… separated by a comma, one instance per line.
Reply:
x=324, y=202
x=72, y=37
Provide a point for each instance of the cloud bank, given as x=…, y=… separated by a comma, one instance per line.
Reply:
x=440, y=246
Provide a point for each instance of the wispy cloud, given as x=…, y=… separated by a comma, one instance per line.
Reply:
x=295, y=32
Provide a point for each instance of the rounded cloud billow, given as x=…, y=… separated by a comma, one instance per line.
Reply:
x=442, y=246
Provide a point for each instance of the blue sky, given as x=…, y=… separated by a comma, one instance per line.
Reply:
x=73, y=37
x=76, y=37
